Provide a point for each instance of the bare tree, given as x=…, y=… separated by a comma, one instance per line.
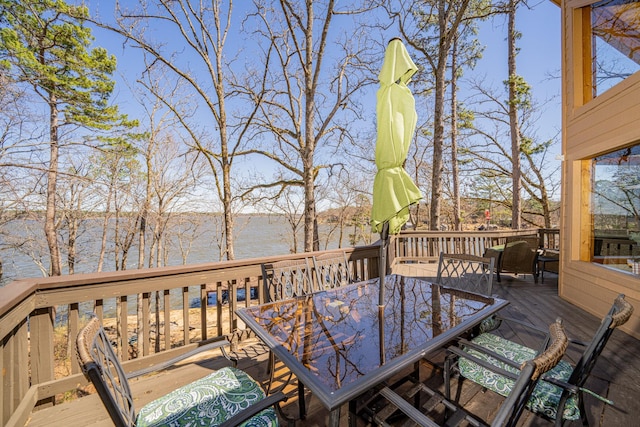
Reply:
x=465, y=52
x=74, y=189
x=494, y=159
x=114, y=171
x=515, y=84
x=186, y=228
x=307, y=102
x=175, y=175
x=290, y=206
x=198, y=64
x=430, y=28
x=340, y=191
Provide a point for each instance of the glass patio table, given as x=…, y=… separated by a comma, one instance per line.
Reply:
x=339, y=343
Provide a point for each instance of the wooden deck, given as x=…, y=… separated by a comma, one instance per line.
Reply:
x=616, y=375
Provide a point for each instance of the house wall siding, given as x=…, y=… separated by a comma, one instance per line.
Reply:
x=606, y=123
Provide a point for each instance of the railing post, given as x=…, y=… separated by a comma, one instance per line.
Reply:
x=41, y=332
x=15, y=372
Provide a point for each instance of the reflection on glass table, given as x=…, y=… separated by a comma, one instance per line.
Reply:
x=339, y=344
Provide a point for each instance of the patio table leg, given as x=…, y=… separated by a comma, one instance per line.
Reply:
x=301, y=404
x=334, y=418
x=352, y=413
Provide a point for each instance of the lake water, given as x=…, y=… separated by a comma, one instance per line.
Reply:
x=256, y=236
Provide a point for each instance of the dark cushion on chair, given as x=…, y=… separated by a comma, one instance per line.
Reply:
x=545, y=397
x=208, y=401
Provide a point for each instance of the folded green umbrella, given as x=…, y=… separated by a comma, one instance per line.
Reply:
x=393, y=189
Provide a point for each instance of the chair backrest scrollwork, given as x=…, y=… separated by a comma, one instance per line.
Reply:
x=466, y=272
x=287, y=279
x=332, y=270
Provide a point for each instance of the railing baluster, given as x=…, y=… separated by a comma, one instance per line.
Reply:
x=167, y=319
x=219, y=307
x=204, y=300
x=72, y=333
x=123, y=327
x=144, y=340
x=185, y=315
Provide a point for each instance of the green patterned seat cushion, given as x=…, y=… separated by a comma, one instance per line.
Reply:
x=545, y=397
x=208, y=401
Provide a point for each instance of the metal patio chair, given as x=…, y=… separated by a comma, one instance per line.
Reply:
x=288, y=279
x=510, y=411
x=332, y=270
x=493, y=362
x=281, y=280
x=225, y=397
x=466, y=272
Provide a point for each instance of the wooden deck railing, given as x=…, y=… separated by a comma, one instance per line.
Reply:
x=40, y=318
x=150, y=314
x=420, y=246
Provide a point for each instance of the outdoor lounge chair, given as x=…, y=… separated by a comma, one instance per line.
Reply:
x=493, y=362
x=332, y=270
x=225, y=397
x=510, y=411
x=519, y=256
x=466, y=272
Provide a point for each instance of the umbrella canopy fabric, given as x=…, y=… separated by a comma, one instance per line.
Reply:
x=393, y=189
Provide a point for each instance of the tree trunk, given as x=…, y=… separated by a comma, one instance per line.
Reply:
x=55, y=268
x=457, y=225
x=72, y=242
x=438, y=120
x=310, y=240
x=228, y=210
x=516, y=204
x=310, y=234
x=116, y=236
x=438, y=142
x=226, y=167
x=105, y=222
x=144, y=215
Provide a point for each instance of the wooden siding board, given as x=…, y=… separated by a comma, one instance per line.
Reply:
x=592, y=289
x=603, y=124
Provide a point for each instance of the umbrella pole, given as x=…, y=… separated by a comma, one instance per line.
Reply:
x=384, y=237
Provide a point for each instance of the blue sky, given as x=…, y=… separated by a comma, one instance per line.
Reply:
x=539, y=56
x=538, y=60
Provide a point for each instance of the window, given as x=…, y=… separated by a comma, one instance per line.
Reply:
x=615, y=208
x=615, y=38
